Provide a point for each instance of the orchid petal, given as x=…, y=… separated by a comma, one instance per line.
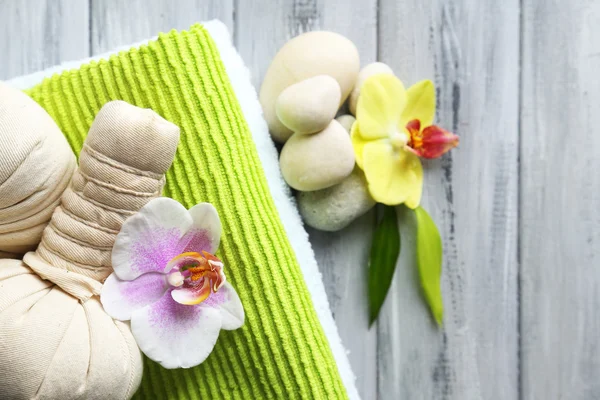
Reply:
x=358, y=143
x=227, y=301
x=176, y=335
x=205, y=233
x=120, y=298
x=414, y=197
x=394, y=177
x=382, y=99
x=434, y=141
x=420, y=104
x=150, y=238
x=190, y=296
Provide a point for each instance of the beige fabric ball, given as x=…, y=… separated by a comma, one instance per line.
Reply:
x=56, y=347
x=36, y=164
x=56, y=341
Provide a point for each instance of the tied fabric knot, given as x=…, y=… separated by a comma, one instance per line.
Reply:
x=108, y=187
x=57, y=341
x=79, y=286
x=102, y=194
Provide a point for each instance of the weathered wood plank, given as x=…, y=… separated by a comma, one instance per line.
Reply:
x=37, y=34
x=117, y=23
x=471, y=49
x=560, y=198
x=262, y=27
x=342, y=258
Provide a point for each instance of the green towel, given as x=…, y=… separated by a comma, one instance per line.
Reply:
x=282, y=351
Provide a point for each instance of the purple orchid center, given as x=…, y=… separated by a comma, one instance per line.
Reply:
x=199, y=274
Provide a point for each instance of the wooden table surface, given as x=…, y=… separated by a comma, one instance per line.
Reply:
x=517, y=204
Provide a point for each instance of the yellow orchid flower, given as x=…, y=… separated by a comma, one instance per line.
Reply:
x=392, y=130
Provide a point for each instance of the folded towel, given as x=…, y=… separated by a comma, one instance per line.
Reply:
x=289, y=347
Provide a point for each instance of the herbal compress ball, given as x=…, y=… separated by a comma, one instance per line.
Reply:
x=56, y=340
x=36, y=164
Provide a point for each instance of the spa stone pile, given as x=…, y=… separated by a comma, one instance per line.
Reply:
x=304, y=88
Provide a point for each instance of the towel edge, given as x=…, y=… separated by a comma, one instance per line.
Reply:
x=284, y=201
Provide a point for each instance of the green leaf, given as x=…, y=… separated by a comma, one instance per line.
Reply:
x=382, y=262
x=429, y=261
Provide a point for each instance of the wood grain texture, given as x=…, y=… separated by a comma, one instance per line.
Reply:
x=118, y=23
x=486, y=217
x=36, y=34
x=560, y=199
x=262, y=27
x=471, y=50
x=342, y=258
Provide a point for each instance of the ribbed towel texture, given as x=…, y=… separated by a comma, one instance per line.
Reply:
x=281, y=352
